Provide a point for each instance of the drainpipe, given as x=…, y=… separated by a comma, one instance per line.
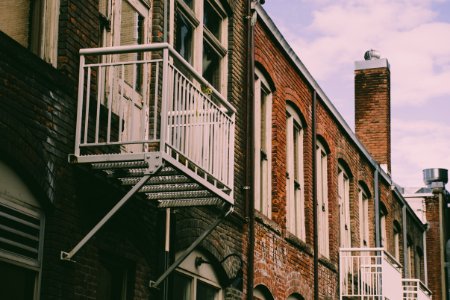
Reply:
x=425, y=259
x=314, y=193
x=405, y=242
x=377, y=208
x=249, y=164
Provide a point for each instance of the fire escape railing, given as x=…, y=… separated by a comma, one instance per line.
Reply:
x=145, y=98
x=414, y=289
x=369, y=272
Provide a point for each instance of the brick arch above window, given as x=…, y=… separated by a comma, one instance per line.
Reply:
x=345, y=167
x=365, y=188
x=261, y=69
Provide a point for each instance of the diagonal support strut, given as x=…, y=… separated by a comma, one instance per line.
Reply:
x=155, y=284
x=68, y=255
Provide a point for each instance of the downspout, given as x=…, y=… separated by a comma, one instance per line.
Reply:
x=166, y=256
x=314, y=193
x=425, y=259
x=377, y=208
x=405, y=242
x=249, y=164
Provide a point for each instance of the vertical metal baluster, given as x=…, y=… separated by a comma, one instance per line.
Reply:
x=79, y=107
x=121, y=104
x=155, y=104
x=88, y=100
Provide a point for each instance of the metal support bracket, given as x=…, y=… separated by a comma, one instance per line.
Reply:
x=154, y=165
x=155, y=284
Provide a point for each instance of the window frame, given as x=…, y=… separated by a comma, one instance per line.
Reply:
x=201, y=35
x=28, y=205
x=295, y=194
x=42, y=29
x=204, y=273
x=363, y=217
x=263, y=145
x=344, y=207
x=322, y=199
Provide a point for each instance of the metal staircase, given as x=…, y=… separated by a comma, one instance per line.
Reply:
x=155, y=126
x=167, y=186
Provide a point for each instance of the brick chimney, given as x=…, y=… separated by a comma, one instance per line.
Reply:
x=373, y=107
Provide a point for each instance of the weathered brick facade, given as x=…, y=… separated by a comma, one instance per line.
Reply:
x=37, y=133
x=38, y=105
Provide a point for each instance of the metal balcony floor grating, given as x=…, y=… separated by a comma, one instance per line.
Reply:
x=168, y=186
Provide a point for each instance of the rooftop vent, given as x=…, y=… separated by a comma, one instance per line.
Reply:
x=371, y=54
x=436, y=175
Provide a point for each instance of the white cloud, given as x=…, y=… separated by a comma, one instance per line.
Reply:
x=418, y=145
x=418, y=48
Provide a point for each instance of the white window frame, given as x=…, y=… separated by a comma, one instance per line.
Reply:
x=322, y=199
x=344, y=208
x=42, y=37
x=396, y=243
x=15, y=195
x=201, y=34
x=295, y=194
x=204, y=273
x=263, y=147
x=363, y=218
x=383, y=229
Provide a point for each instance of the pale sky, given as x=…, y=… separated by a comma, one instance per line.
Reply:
x=414, y=35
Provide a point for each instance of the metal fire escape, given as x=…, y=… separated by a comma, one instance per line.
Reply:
x=149, y=121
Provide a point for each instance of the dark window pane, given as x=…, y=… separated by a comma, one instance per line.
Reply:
x=16, y=283
x=189, y=3
x=183, y=38
x=181, y=287
x=131, y=33
x=212, y=20
x=112, y=282
x=205, y=291
x=211, y=65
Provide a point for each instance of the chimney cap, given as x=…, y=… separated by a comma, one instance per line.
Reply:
x=435, y=175
x=372, y=54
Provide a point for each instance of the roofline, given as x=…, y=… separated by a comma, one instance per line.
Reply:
x=418, y=195
x=267, y=21
x=265, y=18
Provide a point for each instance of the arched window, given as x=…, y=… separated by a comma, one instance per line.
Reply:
x=397, y=230
x=383, y=214
x=295, y=195
x=344, y=207
x=261, y=292
x=322, y=198
x=21, y=232
x=196, y=279
x=363, y=216
x=295, y=296
x=263, y=144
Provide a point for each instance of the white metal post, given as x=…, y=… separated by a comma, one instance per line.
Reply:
x=80, y=106
x=231, y=155
x=164, y=99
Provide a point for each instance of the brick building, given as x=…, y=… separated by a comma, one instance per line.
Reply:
x=330, y=222
x=146, y=113
x=430, y=204
x=135, y=166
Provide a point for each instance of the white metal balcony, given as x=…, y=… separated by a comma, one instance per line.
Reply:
x=144, y=105
x=369, y=273
x=414, y=289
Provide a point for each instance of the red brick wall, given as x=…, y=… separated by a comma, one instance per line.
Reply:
x=282, y=262
x=373, y=112
x=434, y=248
